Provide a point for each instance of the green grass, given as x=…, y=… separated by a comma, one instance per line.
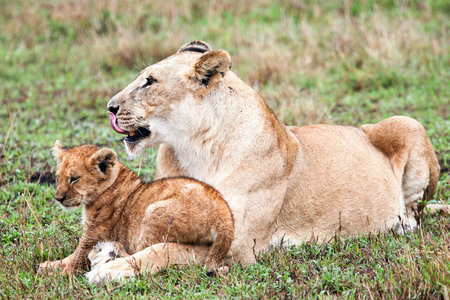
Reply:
x=337, y=62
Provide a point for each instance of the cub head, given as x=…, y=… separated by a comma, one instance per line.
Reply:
x=140, y=108
x=83, y=173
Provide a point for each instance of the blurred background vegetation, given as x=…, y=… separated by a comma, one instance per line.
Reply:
x=339, y=62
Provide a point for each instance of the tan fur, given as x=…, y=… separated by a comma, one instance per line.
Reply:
x=404, y=141
x=118, y=206
x=283, y=185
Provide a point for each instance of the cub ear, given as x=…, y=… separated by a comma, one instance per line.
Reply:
x=195, y=46
x=103, y=159
x=58, y=151
x=211, y=63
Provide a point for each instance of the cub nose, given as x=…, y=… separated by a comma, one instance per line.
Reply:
x=113, y=109
x=60, y=200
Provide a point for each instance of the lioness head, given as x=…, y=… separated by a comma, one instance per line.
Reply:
x=83, y=173
x=148, y=101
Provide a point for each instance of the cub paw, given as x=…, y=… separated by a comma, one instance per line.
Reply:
x=49, y=267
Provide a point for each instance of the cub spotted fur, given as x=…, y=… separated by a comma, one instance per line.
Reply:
x=118, y=206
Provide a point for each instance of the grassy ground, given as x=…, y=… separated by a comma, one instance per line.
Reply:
x=339, y=62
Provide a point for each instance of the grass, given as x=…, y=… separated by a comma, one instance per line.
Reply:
x=338, y=62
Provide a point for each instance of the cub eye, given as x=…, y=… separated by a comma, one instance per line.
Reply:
x=74, y=179
x=150, y=81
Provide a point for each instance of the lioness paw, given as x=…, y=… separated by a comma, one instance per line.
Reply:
x=108, y=272
x=406, y=225
x=105, y=252
x=94, y=276
x=223, y=270
x=102, y=258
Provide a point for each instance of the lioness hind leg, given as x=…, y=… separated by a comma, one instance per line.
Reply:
x=404, y=141
x=150, y=260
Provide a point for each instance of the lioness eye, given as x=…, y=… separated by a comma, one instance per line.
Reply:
x=74, y=179
x=150, y=81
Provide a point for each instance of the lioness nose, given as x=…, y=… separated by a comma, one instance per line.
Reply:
x=60, y=200
x=113, y=109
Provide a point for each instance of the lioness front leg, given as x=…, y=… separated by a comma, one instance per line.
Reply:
x=254, y=225
x=150, y=260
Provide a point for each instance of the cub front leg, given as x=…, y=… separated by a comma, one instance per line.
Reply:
x=67, y=266
x=74, y=262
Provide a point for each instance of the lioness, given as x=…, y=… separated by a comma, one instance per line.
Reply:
x=283, y=185
x=118, y=206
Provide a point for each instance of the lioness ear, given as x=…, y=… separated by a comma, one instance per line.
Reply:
x=58, y=151
x=210, y=64
x=195, y=46
x=103, y=159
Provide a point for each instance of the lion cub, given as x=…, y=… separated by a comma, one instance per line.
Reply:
x=118, y=206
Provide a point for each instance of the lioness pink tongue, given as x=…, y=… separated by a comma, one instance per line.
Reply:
x=113, y=123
